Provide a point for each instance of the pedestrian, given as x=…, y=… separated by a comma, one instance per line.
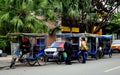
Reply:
x=84, y=49
x=69, y=50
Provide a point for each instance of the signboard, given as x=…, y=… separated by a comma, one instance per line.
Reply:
x=67, y=29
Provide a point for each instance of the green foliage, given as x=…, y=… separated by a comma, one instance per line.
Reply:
x=3, y=42
x=114, y=26
x=116, y=18
x=17, y=15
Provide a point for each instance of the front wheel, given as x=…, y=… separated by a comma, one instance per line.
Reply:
x=13, y=62
x=42, y=60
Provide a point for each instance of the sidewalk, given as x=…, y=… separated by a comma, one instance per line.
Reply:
x=5, y=61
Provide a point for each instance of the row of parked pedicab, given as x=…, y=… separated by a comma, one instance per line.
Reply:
x=98, y=47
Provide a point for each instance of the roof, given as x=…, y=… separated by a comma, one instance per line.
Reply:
x=27, y=34
x=105, y=36
x=76, y=35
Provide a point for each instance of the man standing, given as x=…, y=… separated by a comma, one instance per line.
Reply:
x=68, y=50
x=84, y=49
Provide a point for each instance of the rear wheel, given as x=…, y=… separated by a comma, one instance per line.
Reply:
x=42, y=60
x=79, y=58
x=97, y=55
x=59, y=59
x=31, y=62
x=110, y=54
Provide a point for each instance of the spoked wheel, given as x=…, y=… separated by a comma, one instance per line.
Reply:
x=97, y=55
x=12, y=65
x=79, y=58
x=42, y=60
x=31, y=62
x=58, y=59
x=110, y=54
x=101, y=54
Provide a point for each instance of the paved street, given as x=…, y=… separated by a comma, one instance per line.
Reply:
x=105, y=66
x=5, y=61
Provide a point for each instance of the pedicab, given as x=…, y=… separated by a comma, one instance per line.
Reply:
x=105, y=43
x=36, y=49
x=92, y=43
x=56, y=50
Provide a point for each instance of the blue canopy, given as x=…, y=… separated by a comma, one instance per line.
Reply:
x=105, y=36
x=76, y=35
x=64, y=35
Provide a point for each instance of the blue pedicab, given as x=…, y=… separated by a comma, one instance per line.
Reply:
x=92, y=43
x=35, y=55
x=76, y=55
x=105, y=43
x=56, y=50
x=57, y=54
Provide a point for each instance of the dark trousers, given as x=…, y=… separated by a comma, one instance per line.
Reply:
x=68, y=60
x=84, y=56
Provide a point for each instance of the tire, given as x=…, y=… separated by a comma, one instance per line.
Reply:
x=101, y=54
x=110, y=54
x=97, y=55
x=42, y=60
x=58, y=59
x=79, y=58
x=13, y=62
x=31, y=62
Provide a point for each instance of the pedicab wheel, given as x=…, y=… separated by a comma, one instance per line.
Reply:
x=79, y=58
x=101, y=54
x=31, y=62
x=58, y=59
x=13, y=62
x=110, y=55
x=97, y=55
x=42, y=60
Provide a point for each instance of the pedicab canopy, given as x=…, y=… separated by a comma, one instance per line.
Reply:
x=105, y=36
x=63, y=35
x=27, y=34
x=35, y=39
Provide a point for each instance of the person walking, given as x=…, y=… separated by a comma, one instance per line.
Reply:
x=84, y=49
x=69, y=50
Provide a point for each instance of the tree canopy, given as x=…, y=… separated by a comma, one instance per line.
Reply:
x=20, y=15
x=15, y=16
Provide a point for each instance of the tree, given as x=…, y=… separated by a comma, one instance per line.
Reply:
x=20, y=15
x=87, y=13
x=16, y=16
x=114, y=25
x=105, y=9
